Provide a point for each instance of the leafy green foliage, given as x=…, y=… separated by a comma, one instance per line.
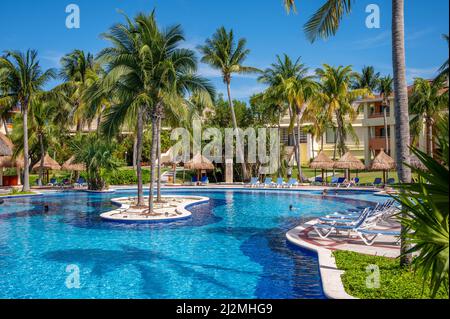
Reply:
x=395, y=282
x=97, y=155
x=426, y=217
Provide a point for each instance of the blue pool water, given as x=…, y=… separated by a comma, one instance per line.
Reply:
x=232, y=247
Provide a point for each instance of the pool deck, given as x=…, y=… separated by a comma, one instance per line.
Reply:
x=304, y=236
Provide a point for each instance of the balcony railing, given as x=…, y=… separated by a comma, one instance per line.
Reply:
x=378, y=115
x=378, y=142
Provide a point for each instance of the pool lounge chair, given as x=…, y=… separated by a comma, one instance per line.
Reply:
x=318, y=181
x=387, y=207
x=194, y=180
x=325, y=229
x=280, y=182
x=268, y=182
x=377, y=182
x=334, y=181
x=369, y=236
x=390, y=181
x=254, y=182
x=53, y=182
x=341, y=181
x=204, y=180
x=292, y=182
x=81, y=182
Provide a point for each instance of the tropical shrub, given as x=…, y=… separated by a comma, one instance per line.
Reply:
x=426, y=219
x=98, y=156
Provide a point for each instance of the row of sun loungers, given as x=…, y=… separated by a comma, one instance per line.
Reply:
x=342, y=182
x=268, y=182
x=81, y=182
x=362, y=223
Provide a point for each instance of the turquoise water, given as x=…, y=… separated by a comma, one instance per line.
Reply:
x=232, y=247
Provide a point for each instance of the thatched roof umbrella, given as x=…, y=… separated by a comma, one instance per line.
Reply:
x=382, y=162
x=415, y=162
x=349, y=162
x=322, y=162
x=6, y=146
x=70, y=165
x=199, y=163
x=8, y=162
x=49, y=165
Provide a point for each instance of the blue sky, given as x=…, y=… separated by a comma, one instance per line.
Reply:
x=264, y=23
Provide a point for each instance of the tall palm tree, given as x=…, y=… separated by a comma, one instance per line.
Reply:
x=324, y=23
x=368, y=79
x=289, y=84
x=428, y=100
x=385, y=89
x=443, y=70
x=337, y=98
x=25, y=81
x=222, y=53
x=79, y=72
x=150, y=75
x=125, y=80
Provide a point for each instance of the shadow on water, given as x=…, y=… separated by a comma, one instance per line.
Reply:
x=202, y=215
x=103, y=261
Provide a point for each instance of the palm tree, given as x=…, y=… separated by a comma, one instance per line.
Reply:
x=337, y=98
x=43, y=130
x=125, y=80
x=385, y=89
x=79, y=72
x=222, y=53
x=324, y=23
x=25, y=80
x=289, y=84
x=443, y=70
x=428, y=100
x=368, y=79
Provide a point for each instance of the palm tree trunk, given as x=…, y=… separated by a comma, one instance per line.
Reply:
x=386, y=137
x=401, y=108
x=139, y=145
x=5, y=125
x=26, y=163
x=153, y=158
x=297, y=159
x=158, y=151
x=299, y=151
x=429, y=124
x=135, y=146
x=41, y=167
x=238, y=137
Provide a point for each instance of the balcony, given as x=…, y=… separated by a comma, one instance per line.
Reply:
x=376, y=115
x=378, y=142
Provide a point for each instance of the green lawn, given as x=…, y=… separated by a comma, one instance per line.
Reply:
x=394, y=283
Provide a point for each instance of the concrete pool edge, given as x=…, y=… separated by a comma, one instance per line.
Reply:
x=181, y=211
x=332, y=285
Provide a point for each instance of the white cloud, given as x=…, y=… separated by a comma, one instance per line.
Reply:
x=426, y=73
x=53, y=58
x=244, y=91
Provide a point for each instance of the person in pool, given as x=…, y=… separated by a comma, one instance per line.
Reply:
x=291, y=207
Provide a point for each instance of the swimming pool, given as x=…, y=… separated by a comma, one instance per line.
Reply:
x=232, y=247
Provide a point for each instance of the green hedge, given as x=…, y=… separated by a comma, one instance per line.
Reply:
x=126, y=177
x=395, y=282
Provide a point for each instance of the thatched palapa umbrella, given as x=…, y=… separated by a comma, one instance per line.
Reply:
x=199, y=163
x=382, y=162
x=322, y=162
x=6, y=146
x=70, y=165
x=349, y=162
x=49, y=165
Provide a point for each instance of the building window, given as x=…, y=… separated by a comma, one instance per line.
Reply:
x=330, y=136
